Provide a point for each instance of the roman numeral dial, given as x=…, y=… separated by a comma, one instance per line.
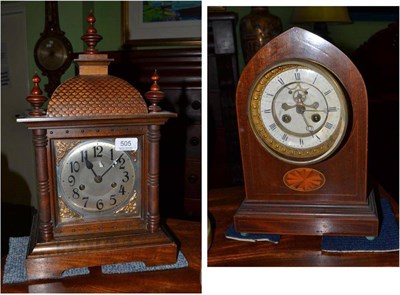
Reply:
x=299, y=112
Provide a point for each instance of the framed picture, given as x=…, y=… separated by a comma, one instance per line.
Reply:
x=166, y=23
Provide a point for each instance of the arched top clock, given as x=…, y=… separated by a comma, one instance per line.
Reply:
x=97, y=163
x=302, y=118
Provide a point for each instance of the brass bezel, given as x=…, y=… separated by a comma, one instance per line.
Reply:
x=283, y=152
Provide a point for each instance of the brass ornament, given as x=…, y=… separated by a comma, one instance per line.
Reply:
x=65, y=212
x=63, y=147
x=131, y=207
x=264, y=136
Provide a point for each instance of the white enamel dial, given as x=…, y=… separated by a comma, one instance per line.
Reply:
x=298, y=112
x=95, y=178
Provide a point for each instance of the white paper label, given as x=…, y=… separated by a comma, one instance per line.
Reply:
x=126, y=144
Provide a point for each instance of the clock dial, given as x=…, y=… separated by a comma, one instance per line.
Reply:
x=96, y=178
x=298, y=112
x=52, y=53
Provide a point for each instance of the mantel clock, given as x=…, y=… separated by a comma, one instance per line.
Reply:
x=302, y=116
x=97, y=166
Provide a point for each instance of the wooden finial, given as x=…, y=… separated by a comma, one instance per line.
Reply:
x=154, y=95
x=91, y=38
x=36, y=99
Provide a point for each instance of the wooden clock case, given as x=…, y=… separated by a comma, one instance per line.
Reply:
x=78, y=110
x=343, y=205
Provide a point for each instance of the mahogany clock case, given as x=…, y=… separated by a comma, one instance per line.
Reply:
x=76, y=243
x=72, y=229
x=341, y=205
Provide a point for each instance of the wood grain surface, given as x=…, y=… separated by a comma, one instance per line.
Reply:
x=292, y=250
x=185, y=280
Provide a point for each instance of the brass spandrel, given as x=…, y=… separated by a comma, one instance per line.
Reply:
x=63, y=147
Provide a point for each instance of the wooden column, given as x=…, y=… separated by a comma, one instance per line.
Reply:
x=155, y=95
x=36, y=99
x=40, y=143
x=153, y=217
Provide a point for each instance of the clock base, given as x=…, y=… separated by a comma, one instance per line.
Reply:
x=309, y=219
x=50, y=259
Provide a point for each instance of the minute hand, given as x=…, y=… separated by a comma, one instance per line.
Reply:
x=112, y=165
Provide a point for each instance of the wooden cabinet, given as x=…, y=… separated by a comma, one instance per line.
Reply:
x=180, y=149
x=224, y=166
x=378, y=61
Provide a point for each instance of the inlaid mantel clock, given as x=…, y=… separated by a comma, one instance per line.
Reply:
x=97, y=166
x=302, y=117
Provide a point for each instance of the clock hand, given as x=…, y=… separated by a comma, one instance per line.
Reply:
x=309, y=127
x=89, y=165
x=314, y=105
x=286, y=107
x=111, y=166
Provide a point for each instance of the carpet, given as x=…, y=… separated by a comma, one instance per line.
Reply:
x=15, y=268
x=386, y=241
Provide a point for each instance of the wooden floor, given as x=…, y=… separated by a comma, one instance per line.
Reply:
x=185, y=280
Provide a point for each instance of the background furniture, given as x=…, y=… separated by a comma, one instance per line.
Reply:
x=224, y=162
x=378, y=61
x=180, y=148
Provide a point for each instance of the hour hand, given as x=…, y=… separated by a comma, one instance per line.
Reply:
x=89, y=165
x=286, y=107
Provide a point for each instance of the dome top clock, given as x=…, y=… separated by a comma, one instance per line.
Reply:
x=97, y=163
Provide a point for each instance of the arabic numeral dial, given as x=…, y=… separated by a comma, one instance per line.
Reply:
x=95, y=178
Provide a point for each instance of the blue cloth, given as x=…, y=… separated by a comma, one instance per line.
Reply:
x=15, y=266
x=387, y=239
x=141, y=267
x=231, y=233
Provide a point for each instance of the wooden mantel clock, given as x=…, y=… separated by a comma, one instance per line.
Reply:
x=302, y=117
x=97, y=166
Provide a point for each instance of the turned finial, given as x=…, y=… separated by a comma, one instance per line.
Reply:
x=36, y=99
x=155, y=95
x=91, y=38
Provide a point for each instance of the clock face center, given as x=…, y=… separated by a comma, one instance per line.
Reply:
x=98, y=179
x=300, y=109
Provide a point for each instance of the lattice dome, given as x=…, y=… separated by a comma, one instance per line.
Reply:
x=95, y=95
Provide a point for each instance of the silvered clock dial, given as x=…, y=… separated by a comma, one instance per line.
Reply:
x=98, y=177
x=298, y=111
